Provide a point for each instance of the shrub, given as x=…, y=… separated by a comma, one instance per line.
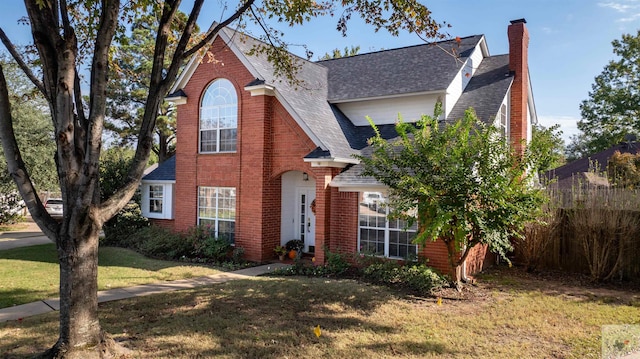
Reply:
x=337, y=263
x=11, y=208
x=161, y=243
x=206, y=246
x=418, y=277
x=119, y=230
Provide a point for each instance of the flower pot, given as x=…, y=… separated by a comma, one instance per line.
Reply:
x=281, y=257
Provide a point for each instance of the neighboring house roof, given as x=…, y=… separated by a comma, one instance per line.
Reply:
x=486, y=90
x=384, y=73
x=586, y=164
x=166, y=171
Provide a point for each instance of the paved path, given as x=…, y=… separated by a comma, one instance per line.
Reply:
x=49, y=305
x=29, y=236
x=33, y=236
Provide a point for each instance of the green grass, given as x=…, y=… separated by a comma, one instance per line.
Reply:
x=31, y=273
x=275, y=318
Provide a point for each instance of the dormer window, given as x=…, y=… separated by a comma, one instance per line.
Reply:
x=219, y=118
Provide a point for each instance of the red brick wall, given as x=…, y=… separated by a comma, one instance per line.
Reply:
x=478, y=259
x=269, y=143
x=518, y=62
x=344, y=221
x=436, y=253
x=168, y=224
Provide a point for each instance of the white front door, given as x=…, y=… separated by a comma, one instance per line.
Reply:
x=305, y=222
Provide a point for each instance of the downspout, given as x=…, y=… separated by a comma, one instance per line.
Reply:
x=463, y=275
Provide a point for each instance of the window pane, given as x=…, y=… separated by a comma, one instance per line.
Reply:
x=217, y=209
x=219, y=110
x=208, y=141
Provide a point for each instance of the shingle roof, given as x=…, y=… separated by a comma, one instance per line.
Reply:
x=308, y=100
x=584, y=164
x=166, y=171
x=432, y=68
x=486, y=90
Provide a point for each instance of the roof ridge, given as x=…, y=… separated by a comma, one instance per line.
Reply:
x=399, y=48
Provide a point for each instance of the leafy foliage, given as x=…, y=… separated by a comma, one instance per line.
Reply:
x=10, y=208
x=548, y=143
x=33, y=131
x=415, y=277
x=114, y=167
x=132, y=62
x=336, y=53
x=461, y=181
x=623, y=170
x=612, y=110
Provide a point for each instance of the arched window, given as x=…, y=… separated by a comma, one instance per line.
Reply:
x=219, y=118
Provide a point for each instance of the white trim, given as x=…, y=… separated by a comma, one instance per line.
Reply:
x=167, y=199
x=177, y=100
x=434, y=92
x=158, y=181
x=336, y=162
x=359, y=187
x=531, y=104
x=261, y=90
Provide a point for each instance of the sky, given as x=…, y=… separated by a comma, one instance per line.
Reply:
x=570, y=40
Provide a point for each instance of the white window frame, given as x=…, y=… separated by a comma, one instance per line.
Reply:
x=220, y=96
x=167, y=200
x=220, y=209
x=386, y=229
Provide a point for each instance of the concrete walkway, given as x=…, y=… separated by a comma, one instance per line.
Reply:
x=49, y=305
x=29, y=236
x=32, y=235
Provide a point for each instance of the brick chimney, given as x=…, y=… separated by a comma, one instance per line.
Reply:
x=519, y=65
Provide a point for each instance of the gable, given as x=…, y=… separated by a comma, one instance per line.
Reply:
x=408, y=70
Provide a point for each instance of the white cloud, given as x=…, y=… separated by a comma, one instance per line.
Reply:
x=568, y=124
x=547, y=30
x=631, y=18
x=623, y=6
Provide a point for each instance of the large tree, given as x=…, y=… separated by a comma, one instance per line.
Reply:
x=548, y=142
x=462, y=182
x=34, y=132
x=130, y=71
x=67, y=31
x=612, y=110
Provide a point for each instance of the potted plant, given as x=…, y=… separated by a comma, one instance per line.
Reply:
x=295, y=247
x=280, y=251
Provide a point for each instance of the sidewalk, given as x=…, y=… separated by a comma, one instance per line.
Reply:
x=49, y=305
x=29, y=236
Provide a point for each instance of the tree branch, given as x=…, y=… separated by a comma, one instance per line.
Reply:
x=17, y=168
x=241, y=10
x=22, y=64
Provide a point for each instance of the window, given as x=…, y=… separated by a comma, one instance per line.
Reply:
x=157, y=199
x=219, y=118
x=156, y=194
x=503, y=121
x=217, y=209
x=381, y=236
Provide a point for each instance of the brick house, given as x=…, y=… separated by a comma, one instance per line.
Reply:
x=264, y=161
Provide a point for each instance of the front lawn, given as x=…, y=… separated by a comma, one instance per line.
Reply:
x=30, y=274
x=507, y=315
